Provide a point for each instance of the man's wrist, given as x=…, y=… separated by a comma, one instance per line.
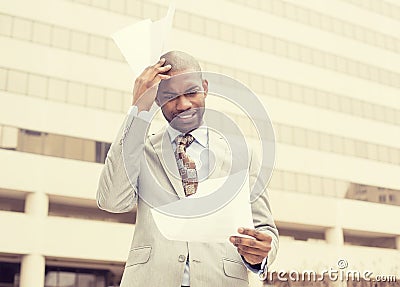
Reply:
x=142, y=108
x=142, y=114
x=260, y=268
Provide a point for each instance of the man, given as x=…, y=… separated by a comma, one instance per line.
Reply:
x=153, y=259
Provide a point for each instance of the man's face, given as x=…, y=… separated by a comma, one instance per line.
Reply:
x=182, y=100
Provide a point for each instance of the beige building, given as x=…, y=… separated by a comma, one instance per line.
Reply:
x=327, y=71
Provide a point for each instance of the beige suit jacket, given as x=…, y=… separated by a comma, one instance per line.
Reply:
x=154, y=260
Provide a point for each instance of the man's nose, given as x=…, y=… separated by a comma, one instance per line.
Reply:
x=183, y=103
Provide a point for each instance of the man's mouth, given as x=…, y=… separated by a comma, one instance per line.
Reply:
x=186, y=115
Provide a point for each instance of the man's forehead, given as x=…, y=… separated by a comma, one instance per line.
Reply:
x=180, y=82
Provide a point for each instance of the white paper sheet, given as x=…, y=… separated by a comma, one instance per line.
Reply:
x=216, y=227
x=142, y=43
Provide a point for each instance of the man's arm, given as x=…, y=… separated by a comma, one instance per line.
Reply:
x=117, y=192
x=118, y=183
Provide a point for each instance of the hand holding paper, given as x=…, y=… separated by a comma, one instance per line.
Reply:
x=255, y=248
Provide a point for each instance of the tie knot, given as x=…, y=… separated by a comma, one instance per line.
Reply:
x=185, y=140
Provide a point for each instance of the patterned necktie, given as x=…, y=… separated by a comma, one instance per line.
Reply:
x=186, y=166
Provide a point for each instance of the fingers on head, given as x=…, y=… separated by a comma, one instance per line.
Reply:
x=163, y=77
x=164, y=68
x=155, y=66
x=158, y=69
x=159, y=63
x=162, y=60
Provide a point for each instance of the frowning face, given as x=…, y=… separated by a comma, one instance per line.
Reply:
x=182, y=100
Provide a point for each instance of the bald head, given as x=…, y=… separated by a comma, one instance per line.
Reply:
x=180, y=61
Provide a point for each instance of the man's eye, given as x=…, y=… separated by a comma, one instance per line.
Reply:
x=192, y=93
x=169, y=97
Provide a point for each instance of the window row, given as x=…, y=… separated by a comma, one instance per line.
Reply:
x=15, y=201
x=305, y=54
x=318, y=235
x=55, y=89
x=201, y=25
x=53, y=144
x=369, y=241
x=135, y=8
x=306, y=183
x=88, y=150
x=374, y=194
x=94, y=151
x=308, y=95
x=58, y=276
x=378, y=6
x=77, y=41
x=59, y=37
x=113, y=100
x=336, y=144
x=315, y=140
x=326, y=22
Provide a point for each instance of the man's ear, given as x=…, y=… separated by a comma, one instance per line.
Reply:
x=205, y=87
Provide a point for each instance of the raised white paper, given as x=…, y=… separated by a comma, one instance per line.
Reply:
x=142, y=43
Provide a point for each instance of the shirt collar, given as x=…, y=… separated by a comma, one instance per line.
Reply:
x=200, y=134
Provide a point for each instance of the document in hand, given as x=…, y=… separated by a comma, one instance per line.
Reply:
x=143, y=42
x=214, y=227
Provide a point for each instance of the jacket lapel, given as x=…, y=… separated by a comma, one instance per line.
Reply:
x=219, y=162
x=163, y=148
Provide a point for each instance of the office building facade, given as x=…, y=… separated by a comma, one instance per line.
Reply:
x=328, y=73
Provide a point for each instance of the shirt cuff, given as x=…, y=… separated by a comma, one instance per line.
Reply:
x=259, y=269
x=144, y=115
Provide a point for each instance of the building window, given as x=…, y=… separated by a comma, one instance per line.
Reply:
x=31, y=141
x=369, y=240
x=7, y=203
x=302, y=234
x=101, y=151
x=49, y=144
x=91, y=212
x=60, y=277
x=9, y=274
x=373, y=194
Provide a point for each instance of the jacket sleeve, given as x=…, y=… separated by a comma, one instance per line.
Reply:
x=261, y=209
x=118, y=183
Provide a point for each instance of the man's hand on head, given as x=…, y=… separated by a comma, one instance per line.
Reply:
x=254, y=249
x=150, y=77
